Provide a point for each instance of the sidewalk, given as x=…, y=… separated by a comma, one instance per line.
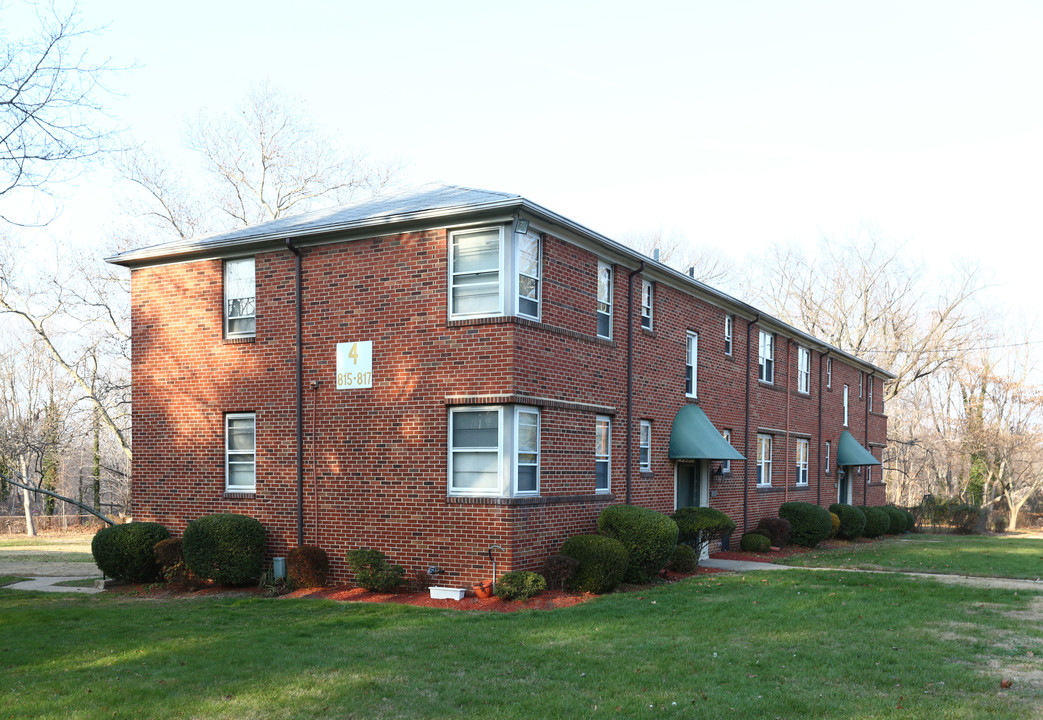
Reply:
x=47, y=584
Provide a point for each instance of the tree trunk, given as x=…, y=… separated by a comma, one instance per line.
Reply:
x=30, y=529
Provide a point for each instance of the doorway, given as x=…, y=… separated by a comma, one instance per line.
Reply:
x=691, y=488
x=844, y=485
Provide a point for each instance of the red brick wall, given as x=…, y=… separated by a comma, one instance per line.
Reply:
x=376, y=460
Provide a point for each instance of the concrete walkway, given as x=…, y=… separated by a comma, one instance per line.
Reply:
x=741, y=565
x=47, y=584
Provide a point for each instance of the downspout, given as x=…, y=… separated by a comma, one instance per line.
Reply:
x=821, y=362
x=789, y=387
x=865, y=434
x=746, y=432
x=630, y=376
x=300, y=393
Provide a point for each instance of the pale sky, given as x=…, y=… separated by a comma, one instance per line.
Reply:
x=737, y=124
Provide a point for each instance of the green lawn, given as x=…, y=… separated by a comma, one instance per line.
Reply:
x=11, y=579
x=89, y=582
x=987, y=556
x=767, y=645
x=71, y=547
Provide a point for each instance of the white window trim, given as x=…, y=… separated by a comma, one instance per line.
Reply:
x=829, y=373
x=226, y=320
x=228, y=453
x=598, y=419
x=802, y=466
x=691, y=361
x=861, y=379
x=765, y=480
x=470, y=492
x=643, y=445
x=538, y=277
x=826, y=469
x=499, y=273
x=845, y=405
x=766, y=358
x=602, y=266
x=647, y=300
x=870, y=393
x=518, y=410
x=726, y=465
x=729, y=325
x=803, y=370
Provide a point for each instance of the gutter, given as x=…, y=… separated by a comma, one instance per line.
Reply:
x=299, y=391
x=630, y=377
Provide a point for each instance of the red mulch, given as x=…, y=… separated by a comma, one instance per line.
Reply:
x=776, y=553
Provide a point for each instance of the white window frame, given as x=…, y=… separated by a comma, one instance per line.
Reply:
x=691, y=364
x=644, y=444
x=225, y=314
x=499, y=273
x=726, y=465
x=845, y=405
x=518, y=411
x=764, y=443
x=605, y=458
x=647, y=298
x=829, y=373
x=538, y=277
x=869, y=475
x=766, y=358
x=803, y=370
x=454, y=451
x=729, y=326
x=229, y=452
x=828, y=446
x=604, y=267
x=861, y=378
x=803, y=450
x=870, y=393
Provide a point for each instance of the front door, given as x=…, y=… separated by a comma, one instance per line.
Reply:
x=690, y=487
x=844, y=485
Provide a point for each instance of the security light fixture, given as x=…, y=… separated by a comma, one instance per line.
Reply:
x=521, y=225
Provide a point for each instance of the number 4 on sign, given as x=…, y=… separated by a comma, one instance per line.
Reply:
x=355, y=365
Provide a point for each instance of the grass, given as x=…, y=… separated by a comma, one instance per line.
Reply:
x=88, y=582
x=798, y=644
x=11, y=579
x=986, y=556
x=71, y=547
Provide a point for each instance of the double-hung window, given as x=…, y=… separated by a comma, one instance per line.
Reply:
x=803, y=370
x=646, y=304
x=240, y=452
x=845, y=405
x=729, y=325
x=826, y=465
x=764, y=460
x=870, y=393
x=604, y=300
x=726, y=465
x=829, y=373
x=240, y=298
x=645, y=446
x=766, y=358
x=691, y=369
x=861, y=377
x=476, y=258
x=527, y=451
x=481, y=438
x=528, y=260
x=602, y=454
x=802, y=462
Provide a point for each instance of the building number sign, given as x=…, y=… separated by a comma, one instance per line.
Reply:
x=354, y=365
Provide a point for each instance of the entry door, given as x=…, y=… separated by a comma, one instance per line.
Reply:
x=691, y=489
x=844, y=486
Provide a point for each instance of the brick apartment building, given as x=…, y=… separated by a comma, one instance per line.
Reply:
x=469, y=370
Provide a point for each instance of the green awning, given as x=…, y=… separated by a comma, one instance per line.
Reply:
x=849, y=452
x=693, y=437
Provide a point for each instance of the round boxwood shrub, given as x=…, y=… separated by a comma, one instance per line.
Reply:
x=557, y=569
x=520, y=585
x=225, y=547
x=834, y=519
x=877, y=522
x=910, y=520
x=307, y=566
x=127, y=552
x=373, y=571
x=810, y=523
x=897, y=520
x=777, y=528
x=602, y=562
x=648, y=536
x=755, y=542
x=852, y=521
x=684, y=559
x=702, y=525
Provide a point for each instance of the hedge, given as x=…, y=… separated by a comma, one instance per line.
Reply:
x=852, y=521
x=225, y=547
x=778, y=529
x=877, y=522
x=897, y=520
x=684, y=559
x=648, y=536
x=520, y=585
x=602, y=563
x=127, y=552
x=701, y=526
x=810, y=524
x=755, y=542
x=373, y=572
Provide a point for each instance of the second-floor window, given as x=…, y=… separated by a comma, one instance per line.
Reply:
x=845, y=405
x=604, y=300
x=475, y=262
x=646, y=304
x=691, y=369
x=240, y=298
x=529, y=274
x=726, y=465
x=825, y=467
x=803, y=370
x=766, y=358
x=870, y=393
x=829, y=372
x=729, y=323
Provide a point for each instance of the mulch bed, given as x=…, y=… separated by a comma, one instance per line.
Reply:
x=774, y=555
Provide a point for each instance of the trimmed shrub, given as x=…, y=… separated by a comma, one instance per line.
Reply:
x=910, y=520
x=225, y=547
x=520, y=585
x=557, y=569
x=964, y=518
x=171, y=561
x=702, y=526
x=809, y=523
x=602, y=562
x=684, y=559
x=128, y=552
x=778, y=529
x=852, y=521
x=307, y=566
x=373, y=572
x=877, y=522
x=835, y=520
x=755, y=542
x=897, y=519
x=648, y=536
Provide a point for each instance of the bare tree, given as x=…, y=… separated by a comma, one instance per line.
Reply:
x=50, y=115
x=704, y=263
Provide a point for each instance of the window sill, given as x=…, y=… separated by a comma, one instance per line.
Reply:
x=647, y=474
x=526, y=322
x=527, y=499
x=239, y=495
x=239, y=340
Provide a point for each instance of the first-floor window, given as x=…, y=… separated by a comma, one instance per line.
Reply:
x=826, y=468
x=603, y=454
x=726, y=465
x=527, y=455
x=240, y=452
x=802, y=462
x=764, y=459
x=645, y=445
x=481, y=438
